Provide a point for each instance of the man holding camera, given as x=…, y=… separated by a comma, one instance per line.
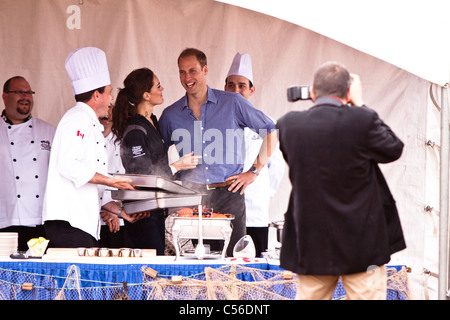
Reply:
x=342, y=219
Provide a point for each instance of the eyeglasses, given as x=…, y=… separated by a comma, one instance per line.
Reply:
x=20, y=92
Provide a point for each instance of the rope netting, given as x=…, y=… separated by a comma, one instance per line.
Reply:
x=212, y=284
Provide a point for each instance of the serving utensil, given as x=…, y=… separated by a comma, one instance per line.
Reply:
x=200, y=249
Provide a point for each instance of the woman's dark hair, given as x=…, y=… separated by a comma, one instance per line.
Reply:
x=136, y=84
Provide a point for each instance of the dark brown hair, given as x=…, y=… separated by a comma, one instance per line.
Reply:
x=136, y=84
x=86, y=96
x=8, y=82
x=201, y=57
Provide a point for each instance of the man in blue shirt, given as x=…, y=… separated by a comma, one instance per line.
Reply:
x=211, y=123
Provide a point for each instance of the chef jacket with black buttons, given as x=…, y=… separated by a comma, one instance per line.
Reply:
x=24, y=157
x=114, y=167
x=78, y=153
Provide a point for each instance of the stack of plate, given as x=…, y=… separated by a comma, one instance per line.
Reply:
x=8, y=243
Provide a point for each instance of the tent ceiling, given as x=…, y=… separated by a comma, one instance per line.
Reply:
x=412, y=35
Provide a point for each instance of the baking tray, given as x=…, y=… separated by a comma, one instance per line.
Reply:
x=129, y=195
x=154, y=183
x=161, y=203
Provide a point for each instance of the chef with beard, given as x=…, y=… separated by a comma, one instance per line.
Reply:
x=25, y=144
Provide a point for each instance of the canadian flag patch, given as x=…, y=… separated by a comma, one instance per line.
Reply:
x=79, y=134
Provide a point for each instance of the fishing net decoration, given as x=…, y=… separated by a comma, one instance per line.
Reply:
x=233, y=282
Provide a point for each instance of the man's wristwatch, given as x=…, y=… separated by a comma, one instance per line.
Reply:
x=254, y=170
x=120, y=210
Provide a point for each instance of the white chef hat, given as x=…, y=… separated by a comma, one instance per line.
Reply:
x=241, y=66
x=88, y=69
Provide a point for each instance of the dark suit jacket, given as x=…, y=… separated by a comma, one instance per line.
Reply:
x=341, y=217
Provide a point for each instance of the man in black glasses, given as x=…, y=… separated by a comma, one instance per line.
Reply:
x=25, y=144
x=18, y=99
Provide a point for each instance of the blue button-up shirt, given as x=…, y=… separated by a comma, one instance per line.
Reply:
x=218, y=137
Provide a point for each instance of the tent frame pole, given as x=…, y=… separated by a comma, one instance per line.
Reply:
x=444, y=197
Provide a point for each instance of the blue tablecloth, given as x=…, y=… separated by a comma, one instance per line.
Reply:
x=49, y=277
x=94, y=274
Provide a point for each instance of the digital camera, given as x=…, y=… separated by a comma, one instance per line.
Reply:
x=296, y=93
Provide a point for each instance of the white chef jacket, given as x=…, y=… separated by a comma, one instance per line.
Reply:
x=258, y=193
x=114, y=166
x=24, y=156
x=78, y=152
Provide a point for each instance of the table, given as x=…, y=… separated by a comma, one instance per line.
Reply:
x=95, y=278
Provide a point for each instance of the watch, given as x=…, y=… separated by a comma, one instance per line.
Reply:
x=254, y=170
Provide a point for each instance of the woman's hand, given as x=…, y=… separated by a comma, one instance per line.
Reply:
x=186, y=162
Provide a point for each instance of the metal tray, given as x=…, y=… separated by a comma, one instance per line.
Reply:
x=128, y=195
x=161, y=203
x=212, y=229
x=205, y=220
x=151, y=182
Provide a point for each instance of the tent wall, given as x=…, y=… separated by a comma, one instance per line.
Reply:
x=36, y=37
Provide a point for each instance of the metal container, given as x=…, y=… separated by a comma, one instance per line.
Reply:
x=159, y=203
x=212, y=229
x=132, y=195
x=279, y=225
x=154, y=192
x=156, y=183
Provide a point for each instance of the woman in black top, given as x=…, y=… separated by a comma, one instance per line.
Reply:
x=142, y=148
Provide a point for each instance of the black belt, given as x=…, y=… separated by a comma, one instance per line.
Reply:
x=209, y=186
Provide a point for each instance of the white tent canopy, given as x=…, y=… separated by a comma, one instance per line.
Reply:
x=410, y=34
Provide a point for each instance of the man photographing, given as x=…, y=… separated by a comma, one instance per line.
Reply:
x=342, y=219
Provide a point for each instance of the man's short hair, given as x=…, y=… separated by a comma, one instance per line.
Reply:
x=332, y=79
x=8, y=82
x=249, y=82
x=201, y=57
x=86, y=96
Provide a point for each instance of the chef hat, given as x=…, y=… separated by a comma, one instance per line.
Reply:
x=88, y=69
x=241, y=66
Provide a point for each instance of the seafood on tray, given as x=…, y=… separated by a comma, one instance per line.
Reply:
x=206, y=213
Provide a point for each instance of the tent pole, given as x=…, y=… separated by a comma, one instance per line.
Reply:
x=444, y=197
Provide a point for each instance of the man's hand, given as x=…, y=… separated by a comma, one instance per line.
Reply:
x=111, y=220
x=355, y=91
x=132, y=218
x=121, y=183
x=241, y=181
x=186, y=162
x=117, y=182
